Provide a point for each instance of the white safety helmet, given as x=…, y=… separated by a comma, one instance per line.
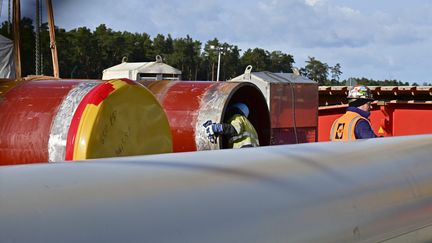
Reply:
x=360, y=92
x=242, y=107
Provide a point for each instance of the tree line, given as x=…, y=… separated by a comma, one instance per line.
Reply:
x=83, y=53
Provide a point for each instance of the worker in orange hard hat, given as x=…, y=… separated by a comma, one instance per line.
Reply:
x=239, y=130
x=355, y=124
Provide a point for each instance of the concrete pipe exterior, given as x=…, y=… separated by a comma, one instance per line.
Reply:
x=378, y=190
x=56, y=120
x=189, y=104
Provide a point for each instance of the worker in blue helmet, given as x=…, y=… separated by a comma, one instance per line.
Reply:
x=238, y=130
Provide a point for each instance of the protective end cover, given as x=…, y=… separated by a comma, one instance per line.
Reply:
x=118, y=118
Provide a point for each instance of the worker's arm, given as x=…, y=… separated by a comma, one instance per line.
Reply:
x=213, y=130
x=363, y=130
x=224, y=129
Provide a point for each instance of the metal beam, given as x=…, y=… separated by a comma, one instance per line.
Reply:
x=16, y=18
x=53, y=44
x=363, y=191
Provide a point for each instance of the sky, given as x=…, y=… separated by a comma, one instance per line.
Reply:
x=376, y=39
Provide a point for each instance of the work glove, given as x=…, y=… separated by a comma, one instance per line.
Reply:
x=209, y=131
x=212, y=130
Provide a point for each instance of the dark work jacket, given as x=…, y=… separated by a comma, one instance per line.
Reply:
x=362, y=128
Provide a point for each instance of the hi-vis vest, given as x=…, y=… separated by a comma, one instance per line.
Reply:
x=343, y=128
x=246, y=133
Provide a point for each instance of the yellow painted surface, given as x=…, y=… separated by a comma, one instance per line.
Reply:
x=130, y=121
x=7, y=84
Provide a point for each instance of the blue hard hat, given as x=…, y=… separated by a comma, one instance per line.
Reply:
x=242, y=107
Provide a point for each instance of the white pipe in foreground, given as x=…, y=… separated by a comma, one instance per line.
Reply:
x=363, y=191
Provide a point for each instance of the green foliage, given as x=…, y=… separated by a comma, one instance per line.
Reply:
x=5, y=29
x=371, y=82
x=230, y=63
x=280, y=62
x=27, y=64
x=230, y=67
x=258, y=58
x=162, y=46
x=316, y=70
x=186, y=57
x=335, y=72
x=84, y=53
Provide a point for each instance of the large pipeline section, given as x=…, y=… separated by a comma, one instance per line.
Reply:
x=364, y=191
x=46, y=120
x=189, y=104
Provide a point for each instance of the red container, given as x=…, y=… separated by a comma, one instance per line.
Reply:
x=397, y=111
x=293, y=103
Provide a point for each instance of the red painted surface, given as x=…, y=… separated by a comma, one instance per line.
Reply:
x=26, y=115
x=410, y=119
x=288, y=135
x=181, y=102
x=283, y=105
x=381, y=121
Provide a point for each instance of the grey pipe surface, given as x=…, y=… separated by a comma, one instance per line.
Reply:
x=364, y=191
